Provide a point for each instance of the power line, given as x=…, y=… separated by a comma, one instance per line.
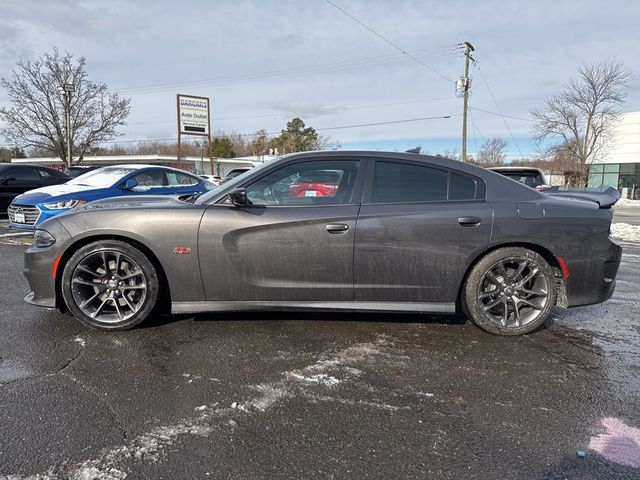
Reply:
x=278, y=115
x=389, y=41
x=385, y=123
x=250, y=77
x=475, y=131
x=501, y=115
x=498, y=107
x=389, y=122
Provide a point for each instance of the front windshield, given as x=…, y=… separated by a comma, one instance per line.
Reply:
x=102, y=177
x=233, y=182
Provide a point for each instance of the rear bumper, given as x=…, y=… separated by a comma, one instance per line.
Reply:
x=592, y=277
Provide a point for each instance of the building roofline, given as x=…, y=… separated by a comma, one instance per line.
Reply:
x=131, y=159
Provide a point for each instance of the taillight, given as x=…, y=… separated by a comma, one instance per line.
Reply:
x=563, y=266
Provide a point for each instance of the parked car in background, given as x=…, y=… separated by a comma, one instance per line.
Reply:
x=36, y=206
x=19, y=178
x=531, y=177
x=234, y=173
x=323, y=183
x=215, y=179
x=403, y=232
x=77, y=170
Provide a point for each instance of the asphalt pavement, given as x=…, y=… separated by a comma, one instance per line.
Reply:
x=328, y=396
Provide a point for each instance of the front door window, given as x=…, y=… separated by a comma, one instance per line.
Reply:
x=305, y=184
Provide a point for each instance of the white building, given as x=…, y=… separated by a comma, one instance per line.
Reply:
x=620, y=166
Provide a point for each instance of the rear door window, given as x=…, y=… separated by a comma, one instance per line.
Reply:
x=177, y=179
x=400, y=182
x=23, y=175
x=396, y=182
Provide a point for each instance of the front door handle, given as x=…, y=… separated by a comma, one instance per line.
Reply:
x=469, y=221
x=337, y=228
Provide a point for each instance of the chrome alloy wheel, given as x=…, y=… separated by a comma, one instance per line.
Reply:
x=108, y=286
x=513, y=292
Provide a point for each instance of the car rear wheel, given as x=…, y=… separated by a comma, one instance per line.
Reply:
x=110, y=285
x=510, y=291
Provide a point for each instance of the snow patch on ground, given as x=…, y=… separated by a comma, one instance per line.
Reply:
x=627, y=201
x=148, y=447
x=624, y=231
x=270, y=394
x=328, y=372
x=321, y=378
x=348, y=401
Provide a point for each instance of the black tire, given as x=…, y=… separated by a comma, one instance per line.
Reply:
x=144, y=273
x=479, y=284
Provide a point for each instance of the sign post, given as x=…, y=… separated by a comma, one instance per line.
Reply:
x=194, y=118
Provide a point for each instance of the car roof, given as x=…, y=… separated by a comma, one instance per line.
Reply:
x=376, y=154
x=515, y=169
x=137, y=166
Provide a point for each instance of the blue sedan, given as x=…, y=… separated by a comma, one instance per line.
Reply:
x=35, y=206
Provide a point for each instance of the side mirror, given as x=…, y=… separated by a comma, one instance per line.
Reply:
x=130, y=184
x=5, y=180
x=238, y=197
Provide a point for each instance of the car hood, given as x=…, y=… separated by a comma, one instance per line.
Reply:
x=58, y=192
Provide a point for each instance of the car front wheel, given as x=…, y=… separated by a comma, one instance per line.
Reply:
x=510, y=291
x=110, y=285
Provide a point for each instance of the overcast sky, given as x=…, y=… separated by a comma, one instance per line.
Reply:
x=264, y=62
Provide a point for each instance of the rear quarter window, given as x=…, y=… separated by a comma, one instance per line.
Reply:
x=462, y=187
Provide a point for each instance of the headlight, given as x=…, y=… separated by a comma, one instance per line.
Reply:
x=42, y=239
x=63, y=205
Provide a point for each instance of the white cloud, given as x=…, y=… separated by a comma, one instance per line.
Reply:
x=269, y=60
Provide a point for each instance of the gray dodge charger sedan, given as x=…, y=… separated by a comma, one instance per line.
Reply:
x=368, y=231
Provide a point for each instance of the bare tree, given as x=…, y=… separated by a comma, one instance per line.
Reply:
x=325, y=142
x=259, y=144
x=36, y=116
x=491, y=152
x=581, y=116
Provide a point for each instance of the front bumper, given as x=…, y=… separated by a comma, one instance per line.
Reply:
x=38, y=265
x=35, y=217
x=37, y=269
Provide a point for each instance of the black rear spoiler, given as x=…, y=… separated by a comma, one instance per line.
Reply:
x=604, y=196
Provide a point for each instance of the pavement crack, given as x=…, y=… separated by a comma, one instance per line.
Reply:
x=85, y=388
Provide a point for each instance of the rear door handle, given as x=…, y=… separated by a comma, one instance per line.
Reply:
x=337, y=228
x=469, y=221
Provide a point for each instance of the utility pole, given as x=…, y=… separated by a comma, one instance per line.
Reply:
x=65, y=94
x=464, y=84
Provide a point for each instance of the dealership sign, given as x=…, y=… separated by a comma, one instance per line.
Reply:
x=193, y=115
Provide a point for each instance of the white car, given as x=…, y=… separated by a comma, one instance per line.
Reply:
x=530, y=176
x=215, y=179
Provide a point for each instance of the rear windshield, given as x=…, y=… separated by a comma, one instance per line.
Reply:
x=532, y=179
